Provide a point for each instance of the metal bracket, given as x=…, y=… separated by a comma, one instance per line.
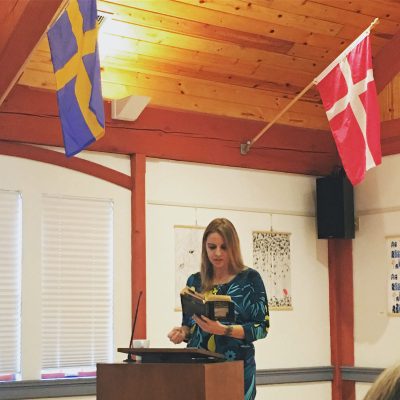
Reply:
x=245, y=148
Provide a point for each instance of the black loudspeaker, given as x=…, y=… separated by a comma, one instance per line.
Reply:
x=335, y=207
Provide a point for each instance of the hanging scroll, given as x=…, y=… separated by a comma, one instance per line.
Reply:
x=187, y=256
x=271, y=258
x=394, y=276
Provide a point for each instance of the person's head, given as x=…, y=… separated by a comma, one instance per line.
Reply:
x=220, y=249
x=386, y=386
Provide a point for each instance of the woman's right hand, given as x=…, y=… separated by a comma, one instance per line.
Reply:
x=178, y=334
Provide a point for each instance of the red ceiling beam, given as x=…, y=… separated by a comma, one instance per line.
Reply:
x=138, y=242
x=153, y=143
x=341, y=311
x=387, y=62
x=390, y=129
x=31, y=116
x=22, y=25
x=390, y=138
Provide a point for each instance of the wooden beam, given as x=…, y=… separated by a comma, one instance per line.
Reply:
x=25, y=25
x=390, y=138
x=387, y=62
x=138, y=240
x=390, y=129
x=341, y=310
x=181, y=146
x=31, y=116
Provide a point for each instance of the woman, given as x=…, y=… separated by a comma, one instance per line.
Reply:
x=223, y=272
x=387, y=385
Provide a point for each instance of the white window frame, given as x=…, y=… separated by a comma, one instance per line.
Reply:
x=10, y=284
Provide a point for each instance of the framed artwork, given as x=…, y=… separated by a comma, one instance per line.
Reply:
x=271, y=258
x=393, y=245
x=187, y=256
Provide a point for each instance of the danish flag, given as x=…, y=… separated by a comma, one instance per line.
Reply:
x=348, y=93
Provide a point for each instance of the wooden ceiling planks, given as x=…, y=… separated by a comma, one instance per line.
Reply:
x=281, y=16
x=378, y=9
x=234, y=58
x=173, y=23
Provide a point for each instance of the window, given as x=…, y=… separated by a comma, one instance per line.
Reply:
x=77, y=282
x=10, y=284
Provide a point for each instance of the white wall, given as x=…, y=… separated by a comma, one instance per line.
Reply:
x=378, y=208
x=362, y=389
x=190, y=194
x=377, y=201
x=295, y=391
x=32, y=179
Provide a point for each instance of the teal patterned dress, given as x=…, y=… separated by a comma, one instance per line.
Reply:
x=251, y=310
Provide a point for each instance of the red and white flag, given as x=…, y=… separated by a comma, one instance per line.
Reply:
x=348, y=93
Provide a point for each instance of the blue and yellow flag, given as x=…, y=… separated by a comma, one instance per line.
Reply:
x=75, y=57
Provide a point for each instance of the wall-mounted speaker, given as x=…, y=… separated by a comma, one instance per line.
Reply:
x=335, y=207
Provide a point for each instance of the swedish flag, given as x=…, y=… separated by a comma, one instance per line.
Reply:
x=75, y=57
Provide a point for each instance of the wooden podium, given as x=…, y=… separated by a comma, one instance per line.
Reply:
x=201, y=377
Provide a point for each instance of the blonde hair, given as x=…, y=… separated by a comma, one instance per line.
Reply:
x=231, y=239
x=386, y=386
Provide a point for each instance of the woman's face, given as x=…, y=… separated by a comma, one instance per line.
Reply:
x=216, y=251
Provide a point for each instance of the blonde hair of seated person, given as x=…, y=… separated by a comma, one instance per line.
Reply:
x=386, y=386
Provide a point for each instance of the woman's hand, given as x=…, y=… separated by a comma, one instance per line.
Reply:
x=178, y=334
x=216, y=328
x=210, y=326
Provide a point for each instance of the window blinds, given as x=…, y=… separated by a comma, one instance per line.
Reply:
x=10, y=281
x=77, y=254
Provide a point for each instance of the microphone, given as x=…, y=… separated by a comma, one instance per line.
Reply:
x=129, y=358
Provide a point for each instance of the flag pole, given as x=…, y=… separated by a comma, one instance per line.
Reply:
x=245, y=147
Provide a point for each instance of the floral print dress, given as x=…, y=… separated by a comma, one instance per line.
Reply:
x=251, y=311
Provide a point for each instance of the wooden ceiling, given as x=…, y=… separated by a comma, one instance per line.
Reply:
x=233, y=58
x=236, y=58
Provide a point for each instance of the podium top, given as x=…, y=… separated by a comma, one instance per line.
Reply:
x=169, y=355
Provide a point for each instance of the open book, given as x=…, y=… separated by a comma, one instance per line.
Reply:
x=213, y=306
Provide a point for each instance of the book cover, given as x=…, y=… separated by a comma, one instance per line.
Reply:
x=213, y=306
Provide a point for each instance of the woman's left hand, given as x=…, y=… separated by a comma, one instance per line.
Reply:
x=209, y=326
